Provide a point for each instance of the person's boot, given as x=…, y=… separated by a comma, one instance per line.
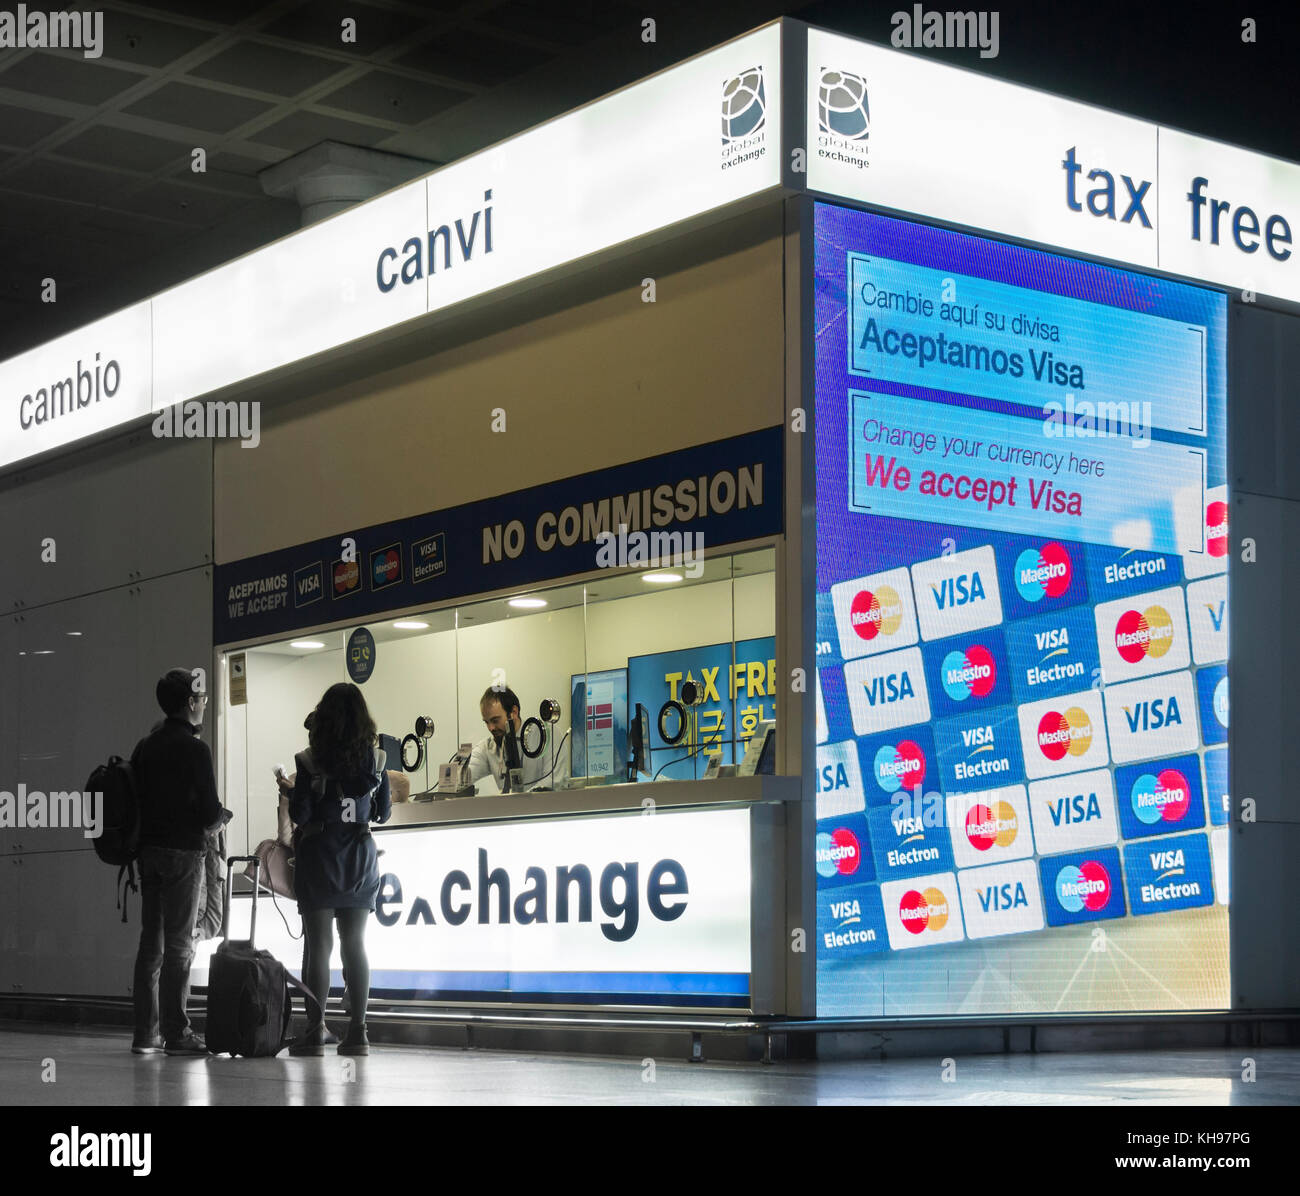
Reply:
x=312, y=1041
x=357, y=1041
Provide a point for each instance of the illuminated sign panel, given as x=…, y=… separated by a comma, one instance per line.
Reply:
x=1021, y=543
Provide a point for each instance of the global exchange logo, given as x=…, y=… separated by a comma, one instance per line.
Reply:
x=1043, y=573
x=972, y=673
x=842, y=105
x=843, y=118
x=1084, y=887
x=744, y=105
x=1163, y=796
x=839, y=852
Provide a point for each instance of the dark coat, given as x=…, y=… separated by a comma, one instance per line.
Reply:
x=336, y=863
x=176, y=786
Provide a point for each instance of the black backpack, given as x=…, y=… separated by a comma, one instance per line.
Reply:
x=119, y=840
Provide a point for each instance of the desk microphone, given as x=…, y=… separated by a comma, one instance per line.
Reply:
x=514, y=764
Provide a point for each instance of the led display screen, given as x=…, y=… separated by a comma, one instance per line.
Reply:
x=1021, y=629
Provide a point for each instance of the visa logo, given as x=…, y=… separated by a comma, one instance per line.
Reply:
x=1070, y=810
x=1000, y=897
x=1162, y=861
x=908, y=826
x=844, y=910
x=1057, y=637
x=893, y=687
x=1216, y=617
x=957, y=591
x=309, y=585
x=1152, y=715
x=977, y=736
x=834, y=776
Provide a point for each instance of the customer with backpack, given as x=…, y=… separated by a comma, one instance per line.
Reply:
x=340, y=787
x=176, y=793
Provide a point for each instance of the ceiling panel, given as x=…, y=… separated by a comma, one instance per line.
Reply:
x=74, y=78
x=261, y=67
x=172, y=201
x=302, y=130
x=193, y=107
x=321, y=24
x=55, y=176
x=386, y=96
x=130, y=37
x=474, y=57
x=23, y=127
x=120, y=147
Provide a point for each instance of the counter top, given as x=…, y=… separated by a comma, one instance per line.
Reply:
x=596, y=800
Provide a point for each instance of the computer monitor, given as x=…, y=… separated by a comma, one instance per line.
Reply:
x=638, y=743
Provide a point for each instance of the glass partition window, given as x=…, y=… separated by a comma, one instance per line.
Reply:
x=694, y=654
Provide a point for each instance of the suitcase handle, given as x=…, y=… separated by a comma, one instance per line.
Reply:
x=230, y=879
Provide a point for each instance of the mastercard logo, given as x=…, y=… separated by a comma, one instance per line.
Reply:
x=900, y=767
x=1139, y=635
x=1060, y=733
x=1216, y=528
x=1043, y=572
x=346, y=576
x=1161, y=797
x=923, y=911
x=1085, y=887
x=839, y=853
x=972, y=673
x=879, y=613
x=991, y=826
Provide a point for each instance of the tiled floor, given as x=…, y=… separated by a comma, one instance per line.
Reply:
x=96, y=1067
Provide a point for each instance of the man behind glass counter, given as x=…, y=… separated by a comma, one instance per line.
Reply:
x=500, y=709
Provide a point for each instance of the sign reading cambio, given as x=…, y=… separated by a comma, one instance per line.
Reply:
x=631, y=903
x=83, y=383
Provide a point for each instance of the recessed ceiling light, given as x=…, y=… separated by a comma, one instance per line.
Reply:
x=73, y=633
x=661, y=578
x=410, y=625
x=305, y=644
x=527, y=603
x=44, y=652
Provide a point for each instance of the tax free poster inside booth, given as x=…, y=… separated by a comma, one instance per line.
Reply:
x=1022, y=637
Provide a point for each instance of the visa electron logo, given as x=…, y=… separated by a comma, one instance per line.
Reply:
x=969, y=673
x=993, y=826
x=1216, y=529
x=1138, y=636
x=920, y=912
x=1084, y=887
x=1060, y=733
x=1043, y=573
x=838, y=853
x=1165, y=795
x=875, y=614
x=900, y=767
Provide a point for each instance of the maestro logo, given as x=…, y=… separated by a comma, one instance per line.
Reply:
x=873, y=613
x=972, y=673
x=1216, y=529
x=1142, y=634
x=839, y=853
x=1085, y=887
x=385, y=566
x=744, y=105
x=993, y=825
x=1043, y=572
x=923, y=910
x=842, y=105
x=899, y=766
x=1061, y=733
x=1163, y=796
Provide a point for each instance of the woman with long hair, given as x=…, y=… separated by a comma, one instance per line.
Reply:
x=340, y=788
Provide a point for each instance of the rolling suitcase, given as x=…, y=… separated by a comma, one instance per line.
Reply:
x=250, y=992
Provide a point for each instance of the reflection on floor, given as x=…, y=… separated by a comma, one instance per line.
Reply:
x=95, y=1067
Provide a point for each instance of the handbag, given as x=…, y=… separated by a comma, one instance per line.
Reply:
x=276, y=870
